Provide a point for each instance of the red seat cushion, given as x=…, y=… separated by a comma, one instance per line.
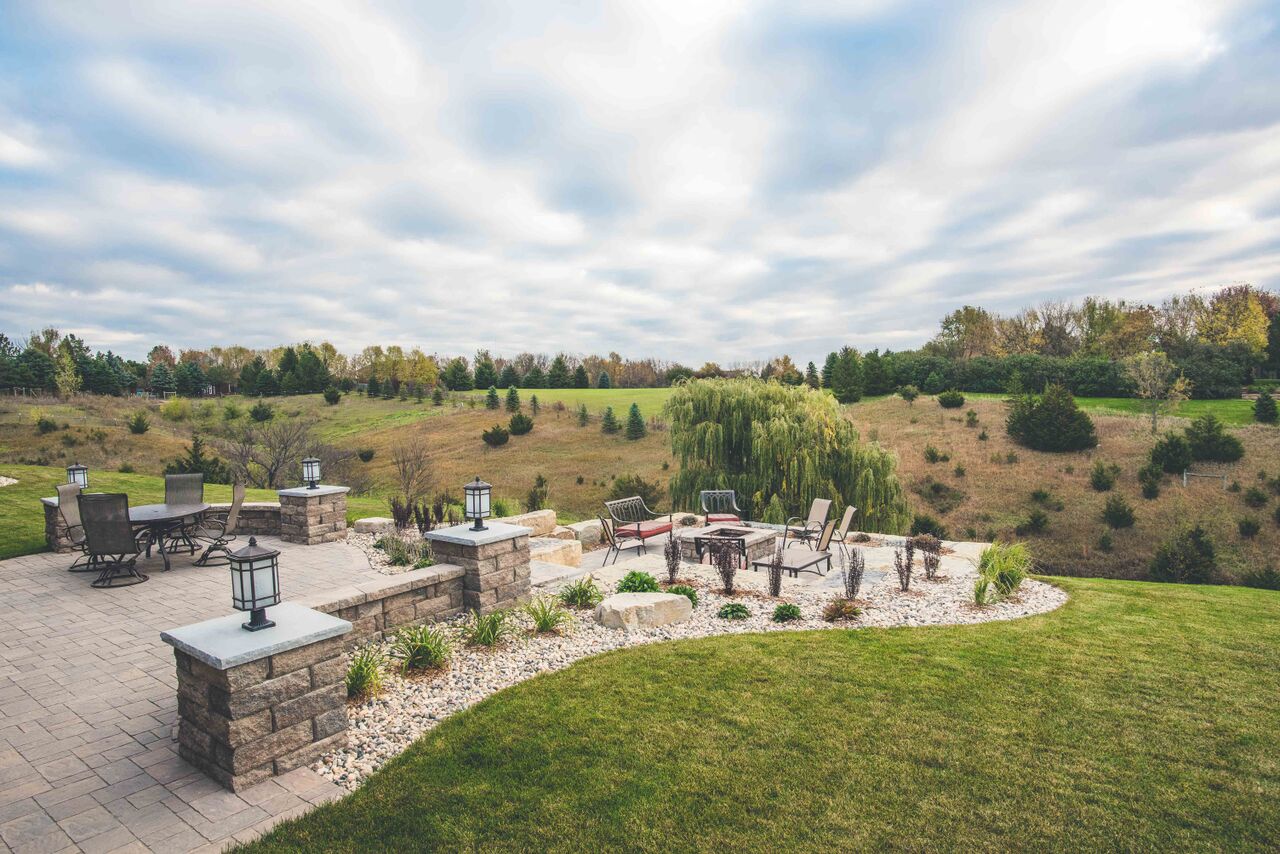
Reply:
x=716, y=518
x=644, y=530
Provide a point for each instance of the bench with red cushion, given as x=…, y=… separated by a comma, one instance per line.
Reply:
x=720, y=518
x=643, y=530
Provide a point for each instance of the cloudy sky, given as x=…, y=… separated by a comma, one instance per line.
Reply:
x=692, y=180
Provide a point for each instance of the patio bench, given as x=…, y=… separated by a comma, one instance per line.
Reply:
x=633, y=520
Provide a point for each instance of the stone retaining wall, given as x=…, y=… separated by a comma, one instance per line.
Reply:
x=497, y=573
x=313, y=516
x=376, y=608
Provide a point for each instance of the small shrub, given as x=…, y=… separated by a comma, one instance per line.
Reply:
x=1105, y=543
x=909, y=393
x=1264, y=408
x=983, y=591
x=855, y=567
x=983, y=436
x=1011, y=458
x=547, y=615
x=1050, y=422
x=1255, y=497
x=1234, y=487
x=671, y=554
x=231, y=412
x=959, y=470
x=686, y=591
x=637, y=581
x=1209, y=441
x=176, y=409
x=933, y=455
x=1006, y=565
x=489, y=629
x=923, y=523
x=69, y=440
x=1172, y=453
x=1103, y=476
x=504, y=507
x=1037, y=522
x=931, y=548
x=364, y=674
x=520, y=424
x=903, y=563
x=421, y=648
x=633, y=484
x=1187, y=557
x=786, y=613
x=1117, y=513
x=583, y=593
x=139, y=422
x=1045, y=498
x=401, y=551
x=971, y=419
x=125, y=468
x=951, y=400
x=1150, y=477
x=733, y=611
x=332, y=396
x=609, y=423
x=365, y=454
x=1249, y=527
x=495, y=436
x=491, y=400
x=774, y=572
x=262, y=411
x=725, y=558
x=840, y=609
x=1266, y=578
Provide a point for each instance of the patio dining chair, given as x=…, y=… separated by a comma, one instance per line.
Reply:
x=720, y=505
x=109, y=540
x=182, y=489
x=632, y=519
x=808, y=530
x=798, y=559
x=218, y=530
x=69, y=509
x=616, y=545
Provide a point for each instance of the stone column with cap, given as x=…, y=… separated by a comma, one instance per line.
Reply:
x=313, y=516
x=495, y=562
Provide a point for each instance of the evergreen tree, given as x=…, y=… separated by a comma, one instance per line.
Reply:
x=811, y=377
x=635, y=423
x=558, y=376
x=437, y=396
x=1273, y=344
x=1264, y=409
x=268, y=383
x=829, y=369
x=35, y=368
x=491, y=400
x=313, y=375
x=456, y=375
x=67, y=378
x=374, y=388
x=162, y=379
x=513, y=399
x=535, y=378
x=249, y=374
x=195, y=461
x=509, y=378
x=609, y=424
x=486, y=373
x=583, y=417
x=875, y=374
x=580, y=379
x=534, y=406
x=189, y=380
x=604, y=380
x=846, y=376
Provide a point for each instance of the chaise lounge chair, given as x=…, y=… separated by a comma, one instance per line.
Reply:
x=809, y=529
x=798, y=559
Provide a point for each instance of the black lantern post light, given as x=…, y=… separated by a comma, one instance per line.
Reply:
x=255, y=583
x=79, y=475
x=477, y=503
x=311, y=472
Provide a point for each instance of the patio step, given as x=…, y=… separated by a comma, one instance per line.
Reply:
x=551, y=550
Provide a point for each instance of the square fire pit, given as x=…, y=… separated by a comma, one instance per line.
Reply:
x=755, y=543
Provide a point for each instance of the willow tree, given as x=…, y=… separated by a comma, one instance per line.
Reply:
x=767, y=439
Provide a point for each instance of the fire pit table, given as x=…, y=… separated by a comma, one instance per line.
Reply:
x=696, y=544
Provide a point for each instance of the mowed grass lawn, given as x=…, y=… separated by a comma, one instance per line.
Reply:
x=22, y=531
x=1137, y=717
x=1235, y=412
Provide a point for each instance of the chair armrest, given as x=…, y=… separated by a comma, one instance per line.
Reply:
x=791, y=522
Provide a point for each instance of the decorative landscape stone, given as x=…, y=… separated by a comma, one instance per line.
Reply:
x=631, y=611
x=588, y=533
x=375, y=525
x=551, y=550
x=539, y=522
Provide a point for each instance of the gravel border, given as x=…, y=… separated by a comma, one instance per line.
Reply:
x=383, y=727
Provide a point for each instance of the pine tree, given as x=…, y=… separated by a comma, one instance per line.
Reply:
x=604, y=380
x=513, y=399
x=811, y=377
x=583, y=417
x=829, y=369
x=486, y=373
x=535, y=378
x=509, y=377
x=162, y=378
x=456, y=375
x=635, y=423
x=846, y=377
x=373, y=389
x=580, y=377
x=491, y=398
x=1264, y=409
x=534, y=406
x=609, y=424
x=558, y=376
x=437, y=396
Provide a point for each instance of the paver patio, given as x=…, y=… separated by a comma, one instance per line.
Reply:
x=88, y=756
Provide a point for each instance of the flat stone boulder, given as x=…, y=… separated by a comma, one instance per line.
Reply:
x=588, y=533
x=631, y=611
x=542, y=522
x=375, y=525
x=551, y=550
x=562, y=532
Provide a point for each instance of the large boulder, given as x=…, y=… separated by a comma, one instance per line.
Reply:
x=375, y=525
x=631, y=611
x=551, y=550
x=541, y=522
x=588, y=533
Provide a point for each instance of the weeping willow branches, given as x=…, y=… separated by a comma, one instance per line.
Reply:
x=764, y=439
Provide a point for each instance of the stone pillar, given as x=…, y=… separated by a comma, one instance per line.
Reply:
x=313, y=516
x=55, y=527
x=252, y=705
x=495, y=563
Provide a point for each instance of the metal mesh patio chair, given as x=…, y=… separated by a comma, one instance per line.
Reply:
x=798, y=559
x=109, y=539
x=809, y=529
x=218, y=530
x=69, y=509
x=182, y=489
x=720, y=505
x=616, y=546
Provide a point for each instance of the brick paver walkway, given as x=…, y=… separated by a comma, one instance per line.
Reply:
x=88, y=756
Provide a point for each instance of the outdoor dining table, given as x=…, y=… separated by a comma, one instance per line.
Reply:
x=157, y=519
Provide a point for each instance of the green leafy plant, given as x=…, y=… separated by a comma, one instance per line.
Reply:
x=923, y=523
x=139, y=422
x=1248, y=527
x=1255, y=497
x=496, y=436
x=547, y=615
x=1264, y=408
x=1037, y=522
x=983, y=436
x=262, y=411
x=686, y=591
x=1266, y=578
x=520, y=424
x=951, y=399
x=583, y=593
x=637, y=581
x=1105, y=543
x=231, y=412
x=733, y=611
x=633, y=484
x=364, y=674
x=332, y=396
x=1186, y=557
x=1172, y=453
x=421, y=648
x=840, y=609
x=959, y=470
x=909, y=393
x=933, y=455
x=1006, y=565
x=489, y=629
x=1117, y=513
x=786, y=612
x=1103, y=476
x=971, y=419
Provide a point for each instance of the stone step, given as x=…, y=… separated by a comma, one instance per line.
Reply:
x=550, y=550
x=552, y=575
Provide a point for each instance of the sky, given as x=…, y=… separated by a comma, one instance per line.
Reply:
x=687, y=180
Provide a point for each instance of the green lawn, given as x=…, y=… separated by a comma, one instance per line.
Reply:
x=1137, y=717
x=650, y=400
x=1236, y=412
x=23, y=529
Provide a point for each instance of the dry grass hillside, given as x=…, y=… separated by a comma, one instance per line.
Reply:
x=994, y=493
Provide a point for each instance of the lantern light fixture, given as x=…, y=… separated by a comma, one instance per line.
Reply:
x=311, y=472
x=477, y=503
x=79, y=475
x=255, y=583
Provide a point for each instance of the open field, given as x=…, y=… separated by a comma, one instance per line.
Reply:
x=1138, y=717
x=1236, y=412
